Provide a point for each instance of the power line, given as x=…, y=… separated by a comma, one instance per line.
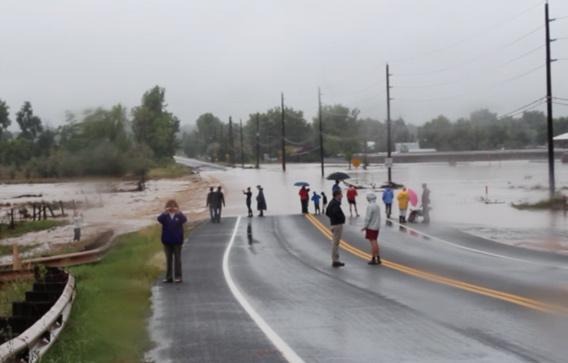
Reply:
x=532, y=70
x=474, y=58
x=523, y=55
x=523, y=108
x=471, y=36
x=560, y=98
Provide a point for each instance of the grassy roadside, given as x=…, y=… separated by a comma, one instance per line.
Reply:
x=31, y=226
x=108, y=320
x=170, y=170
x=11, y=292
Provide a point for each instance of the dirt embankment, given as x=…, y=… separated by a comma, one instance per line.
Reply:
x=107, y=205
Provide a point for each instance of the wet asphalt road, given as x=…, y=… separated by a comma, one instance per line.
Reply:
x=358, y=313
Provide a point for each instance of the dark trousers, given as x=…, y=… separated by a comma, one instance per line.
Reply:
x=317, y=208
x=305, y=206
x=249, y=210
x=77, y=234
x=217, y=214
x=173, y=261
x=212, y=213
x=388, y=209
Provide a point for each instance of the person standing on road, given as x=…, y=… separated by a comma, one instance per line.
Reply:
x=425, y=203
x=260, y=201
x=336, y=187
x=77, y=224
x=304, y=198
x=219, y=204
x=211, y=203
x=316, y=199
x=371, y=227
x=172, y=221
x=324, y=201
x=388, y=197
x=337, y=220
x=352, y=200
x=248, y=193
x=403, y=199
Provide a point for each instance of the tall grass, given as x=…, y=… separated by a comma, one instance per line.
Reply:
x=108, y=320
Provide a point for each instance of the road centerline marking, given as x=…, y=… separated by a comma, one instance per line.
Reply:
x=462, y=285
x=287, y=352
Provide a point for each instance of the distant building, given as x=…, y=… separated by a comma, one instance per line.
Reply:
x=410, y=147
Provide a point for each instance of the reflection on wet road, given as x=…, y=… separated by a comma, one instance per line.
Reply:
x=430, y=302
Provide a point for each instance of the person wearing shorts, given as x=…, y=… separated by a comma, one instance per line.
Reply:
x=351, y=198
x=371, y=227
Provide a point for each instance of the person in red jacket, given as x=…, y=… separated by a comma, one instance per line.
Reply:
x=304, y=199
x=351, y=198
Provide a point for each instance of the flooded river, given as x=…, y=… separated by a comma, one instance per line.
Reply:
x=456, y=193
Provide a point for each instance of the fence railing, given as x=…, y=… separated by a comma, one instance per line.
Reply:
x=30, y=345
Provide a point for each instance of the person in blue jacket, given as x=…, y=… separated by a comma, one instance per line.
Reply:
x=172, y=221
x=388, y=197
x=316, y=199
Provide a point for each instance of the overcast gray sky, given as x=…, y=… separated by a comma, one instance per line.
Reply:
x=233, y=57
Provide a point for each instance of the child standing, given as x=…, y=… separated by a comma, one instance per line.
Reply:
x=172, y=221
x=77, y=224
x=316, y=199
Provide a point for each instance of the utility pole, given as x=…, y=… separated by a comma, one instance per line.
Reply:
x=242, y=150
x=550, y=127
x=389, y=141
x=231, y=144
x=283, y=132
x=257, y=141
x=321, y=133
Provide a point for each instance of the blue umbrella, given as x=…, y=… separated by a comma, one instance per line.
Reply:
x=301, y=184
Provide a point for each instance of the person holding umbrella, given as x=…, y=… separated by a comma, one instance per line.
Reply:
x=337, y=220
x=338, y=177
x=371, y=227
x=403, y=199
x=304, y=198
x=260, y=201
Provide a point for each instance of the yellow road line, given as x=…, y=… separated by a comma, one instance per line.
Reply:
x=514, y=299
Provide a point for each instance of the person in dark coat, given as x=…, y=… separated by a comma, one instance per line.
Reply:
x=211, y=203
x=337, y=220
x=172, y=221
x=260, y=201
x=324, y=201
x=425, y=203
x=219, y=204
x=248, y=193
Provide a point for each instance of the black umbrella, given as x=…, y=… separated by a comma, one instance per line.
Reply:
x=338, y=176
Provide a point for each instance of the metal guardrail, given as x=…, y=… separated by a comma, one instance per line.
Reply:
x=7, y=273
x=35, y=341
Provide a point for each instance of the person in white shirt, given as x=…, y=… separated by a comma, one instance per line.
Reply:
x=371, y=227
x=77, y=224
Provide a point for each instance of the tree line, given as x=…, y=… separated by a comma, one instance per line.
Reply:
x=99, y=142
x=346, y=134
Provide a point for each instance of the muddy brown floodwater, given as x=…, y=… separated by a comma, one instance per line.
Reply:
x=456, y=193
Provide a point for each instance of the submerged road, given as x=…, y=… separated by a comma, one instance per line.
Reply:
x=263, y=290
